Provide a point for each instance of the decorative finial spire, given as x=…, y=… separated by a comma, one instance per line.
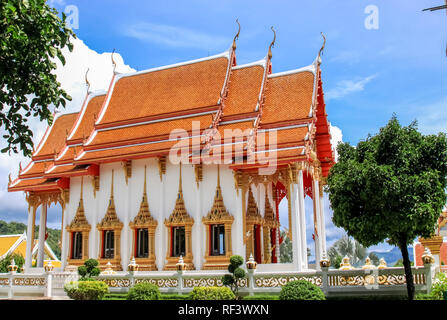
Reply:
x=82, y=188
x=320, y=53
x=113, y=60
x=218, y=176
x=272, y=45
x=9, y=179
x=86, y=80
x=180, y=179
x=237, y=34
x=144, y=188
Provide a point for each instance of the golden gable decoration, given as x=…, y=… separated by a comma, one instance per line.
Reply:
x=270, y=223
x=79, y=224
x=253, y=218
x=218, y=215
x=144, y=220
x=179, y=218
x=111, y=222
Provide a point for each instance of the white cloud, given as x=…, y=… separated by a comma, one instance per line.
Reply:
x=177, y=37
x=346, y=87
x=71, y=76
x=336, y=137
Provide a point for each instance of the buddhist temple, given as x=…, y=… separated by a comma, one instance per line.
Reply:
x=187, y=161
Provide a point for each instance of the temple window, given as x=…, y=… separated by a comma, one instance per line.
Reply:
x=76, y=252
x=108, y=244
x=178, y=248
x=218, y=222
x=78, y=234
x=142, y=243
x=217, y=240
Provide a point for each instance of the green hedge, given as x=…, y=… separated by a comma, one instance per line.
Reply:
x=143, y=291
x=212, y=293
x=262, y=297
x=301, y=290
x=86, y=290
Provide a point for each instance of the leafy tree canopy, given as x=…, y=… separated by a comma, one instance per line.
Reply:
x=390, y=186
x=31, y=38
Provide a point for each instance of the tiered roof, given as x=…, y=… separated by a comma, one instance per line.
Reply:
x=136, y=117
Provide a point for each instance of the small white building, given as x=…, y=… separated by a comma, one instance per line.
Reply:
x=246, y=137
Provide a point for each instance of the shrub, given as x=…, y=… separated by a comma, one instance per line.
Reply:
x=86, y=290
x=439, y=286
x=423, y=296
x=6, y=261
x=301, y=290
x=212, y=293
x=144, y=291
x=89, y=269
x=230, y=280
x=262, y=297
x=173, y=296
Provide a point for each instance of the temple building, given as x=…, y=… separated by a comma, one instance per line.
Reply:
x=187, y=160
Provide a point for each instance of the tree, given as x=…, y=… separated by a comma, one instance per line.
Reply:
x=19, y=260
x=285, y=249
x=236, y=273
x=390, y=187
x=89, y=269
x=31, y=38
x=351, y=248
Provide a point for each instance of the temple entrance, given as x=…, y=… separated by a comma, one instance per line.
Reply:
x=257, y=243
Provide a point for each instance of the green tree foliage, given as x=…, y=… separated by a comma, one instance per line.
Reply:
x=86, y=290
x=236, y=273
x=301, y=290
x=346, y=246
x=31, y=39
x=54, y=235
x=89, y=269
x=212, y=293
x=390, y=187
x=144, y=291
x=19, y=260
x=285, y=249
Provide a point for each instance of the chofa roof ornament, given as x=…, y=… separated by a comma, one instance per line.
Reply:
x=113, y=61
x=272, y=45
x=237, y=34
x=87, y=83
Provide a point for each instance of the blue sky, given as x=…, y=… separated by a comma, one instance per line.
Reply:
x=368, y=75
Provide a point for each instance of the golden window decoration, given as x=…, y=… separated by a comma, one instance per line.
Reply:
x=253, y=222
x=143, y=227
x=270, y=224
x=110, y=230
x=78, y=230
x=179, y=226
x=218, y=223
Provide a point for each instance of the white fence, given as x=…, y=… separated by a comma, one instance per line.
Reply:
x=387, y=281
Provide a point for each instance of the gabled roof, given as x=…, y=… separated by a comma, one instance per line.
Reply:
x=135, y=118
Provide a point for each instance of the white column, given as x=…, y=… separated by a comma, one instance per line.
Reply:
x=322, y=225
x=161, y=239
x=29, y=238
x=302, y=217
x=42, y=229
x=197, y=227
x=64, y=242
x=237, y=227
x=295, y=228
x=126, y=236
x=316, y=201
x=93, y=246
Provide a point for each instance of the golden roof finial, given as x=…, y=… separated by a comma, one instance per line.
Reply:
x=180, y=179
x=9, y=179
x=273, y=43
x=113, y=60
x=86, y=80
x=82, y=188
x=320, y=53
x=218, y=176
x=237, y=34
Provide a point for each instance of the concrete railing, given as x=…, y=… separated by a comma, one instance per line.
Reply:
x=386, y=281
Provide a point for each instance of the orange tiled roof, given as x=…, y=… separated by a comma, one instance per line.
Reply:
x=54, y=138
x=167, y=90
x=288, y=97
x=134, y=119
